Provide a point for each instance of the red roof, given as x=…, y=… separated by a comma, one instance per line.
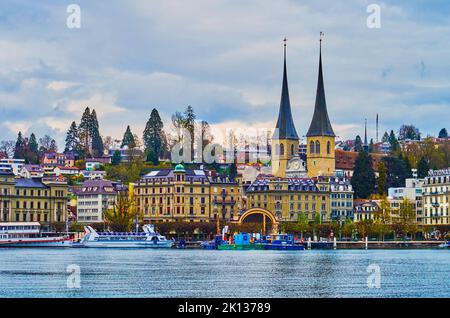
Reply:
x=345, y=160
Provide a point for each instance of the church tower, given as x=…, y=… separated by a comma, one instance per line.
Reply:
x=320, y=137
x=285, y=138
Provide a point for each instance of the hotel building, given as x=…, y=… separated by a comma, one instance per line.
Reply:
x=188, y=195
x=42, y=200
x=436, y=196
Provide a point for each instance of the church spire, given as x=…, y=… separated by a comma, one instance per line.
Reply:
x=320, y=124
x=285, y=128
x=366, y=145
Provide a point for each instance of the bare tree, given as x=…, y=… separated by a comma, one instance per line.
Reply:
x=108, y=142
x=7, y=147
x=178, y=125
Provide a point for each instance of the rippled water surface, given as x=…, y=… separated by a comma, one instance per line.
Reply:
x=200, y=273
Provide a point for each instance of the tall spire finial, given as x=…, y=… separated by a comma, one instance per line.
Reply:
x=366, y=145
x=285, y=128
x=320, y=124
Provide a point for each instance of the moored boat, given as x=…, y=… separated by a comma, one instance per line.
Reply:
x=243, y=241
x=281, y=242
x=28, y=234
x=446, y=244
x=147, y=239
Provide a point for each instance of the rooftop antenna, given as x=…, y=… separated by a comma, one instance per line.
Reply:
x=377, y=128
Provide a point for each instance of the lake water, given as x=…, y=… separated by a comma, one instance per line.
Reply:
x=202, y=273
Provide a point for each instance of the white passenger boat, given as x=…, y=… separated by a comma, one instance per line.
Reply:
x=147, y=239
x=28, y=234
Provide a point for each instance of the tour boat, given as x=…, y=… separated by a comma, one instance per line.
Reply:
x=28, y=234
x=147, y=239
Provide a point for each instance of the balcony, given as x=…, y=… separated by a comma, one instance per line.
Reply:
x=224, y=201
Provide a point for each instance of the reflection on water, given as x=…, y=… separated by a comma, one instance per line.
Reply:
x=198, y=273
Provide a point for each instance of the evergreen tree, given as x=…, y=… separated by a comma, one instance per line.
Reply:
x=358, y=144
x=84, y=131
x=72, y=139
x=233, y=170
x=97, y=145
x=152, y=157
x=363, y=180
x=371, y=146
x=443, y=133
x=422, y=168
x=32, y=143
x=397, y=171
x=19, y=148
x=189, y=125
x=382, y=179
x=394, y=142
x=128, y=139
x=116, y=158
x=32, y=152
x=408, y=172
x=97, y=141
x=154, y=137
x=385, y=137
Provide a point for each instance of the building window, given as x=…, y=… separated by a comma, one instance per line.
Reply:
x=328, y=147
x=292, y=150
x=282, y=149
x=311, y=147
x=317, y=147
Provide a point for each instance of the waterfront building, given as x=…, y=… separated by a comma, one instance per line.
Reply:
x=93, y=199
x=320, y=138
x=341, y=199
x=365, y=210
x=413, y=192
x=395, y=206
x=436, y=197
x=188, y=195
x=285, y=141
x=287, y=198
x=42, y=200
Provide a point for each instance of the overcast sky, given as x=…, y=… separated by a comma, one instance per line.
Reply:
x=225, y=59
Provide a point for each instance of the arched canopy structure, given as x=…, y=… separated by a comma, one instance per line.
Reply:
x=264, y=216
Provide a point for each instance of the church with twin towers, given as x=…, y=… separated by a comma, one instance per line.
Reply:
x=320, y=137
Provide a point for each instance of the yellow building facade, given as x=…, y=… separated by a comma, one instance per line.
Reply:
x=436, y=198
x=183, y=195
x=33, y=200
x=287, y=199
